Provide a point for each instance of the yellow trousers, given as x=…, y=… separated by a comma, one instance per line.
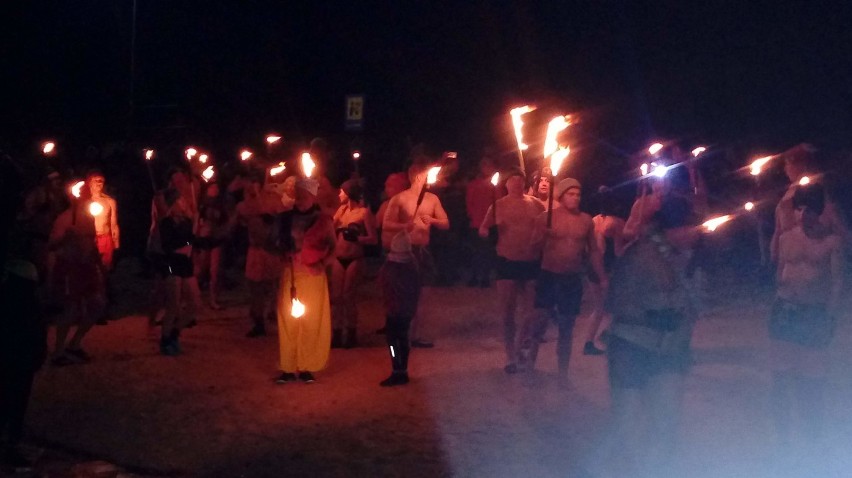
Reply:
x=304, y=342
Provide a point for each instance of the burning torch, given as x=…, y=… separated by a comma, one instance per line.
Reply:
x=431, y=179
x=518, y=124
x=556, y=154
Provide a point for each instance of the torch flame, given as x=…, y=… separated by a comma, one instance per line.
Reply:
x=190, y=153
x=758, y=164
x=356, y=155
x=557, y=158
x=77, y=188
x=95, y=209
x=308, y=164
x=432, y=175
x=749, y=206
x=556, y=125
x=48, y=147
x=518, y=124
x=495, y=178
x=298, y=309
x=277, y=169
x=697, y=151
x=272, y=139
x=203, y=159
x=655, y=148
x=659, y=170
x=712, y=224
x=245, y=155
x=208, y=173
x=644, y=169
x=149, y=153
x=804, y=181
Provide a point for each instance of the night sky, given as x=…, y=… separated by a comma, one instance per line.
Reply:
x=761, y=74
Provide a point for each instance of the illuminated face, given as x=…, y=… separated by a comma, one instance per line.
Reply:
x=544, y=186
x=342, y=196
x=515, y=185
x=96, y=184
x=570, y=200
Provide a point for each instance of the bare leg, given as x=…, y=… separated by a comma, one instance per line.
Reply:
x=508, y=291
x=597, y=312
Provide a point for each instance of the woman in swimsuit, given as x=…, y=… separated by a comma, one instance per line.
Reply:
x=355, y=227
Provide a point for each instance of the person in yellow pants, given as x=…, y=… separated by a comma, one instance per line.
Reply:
x=307, y=237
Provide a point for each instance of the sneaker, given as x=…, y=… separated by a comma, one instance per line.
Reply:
x=307, y=377
x=590, y=349
x=256, y=332
x=422, y=344
x=79, y=354
x=285, y=377
x=62, y=361
x=396, y=378
x=512, y=368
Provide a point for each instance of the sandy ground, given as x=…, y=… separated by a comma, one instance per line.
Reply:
x=215, y=411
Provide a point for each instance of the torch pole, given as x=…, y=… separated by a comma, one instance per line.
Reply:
x=521, y=161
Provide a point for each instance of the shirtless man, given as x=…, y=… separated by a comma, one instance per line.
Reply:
x=796, y=166
x=566, y=245
x=106, y=223
x=517, y=257
x=400, y=215
x=810, y=284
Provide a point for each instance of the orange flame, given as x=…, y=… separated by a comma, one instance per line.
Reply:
x=518, y=124
x=712, y=224
x=277, y=169
x=48, y=147
x=245, y=155
x=557, y=158
x=495, y=178
x=655, y=148
x=758, y=164
x=308, y=164
x=77, y=188
x=149, y=153
x=432, y=175
x=272, y=139
x=551, y=142
x=190, y=153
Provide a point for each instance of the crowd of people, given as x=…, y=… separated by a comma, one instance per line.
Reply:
x=306, y=245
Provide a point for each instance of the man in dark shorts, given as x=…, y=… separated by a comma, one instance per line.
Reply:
x=517, y=258
x=566, y=246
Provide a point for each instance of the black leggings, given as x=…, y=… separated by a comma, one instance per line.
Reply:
x=397, y=327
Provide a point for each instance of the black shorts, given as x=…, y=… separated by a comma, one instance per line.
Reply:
x=425, y=265
x=562, y=291
x=516, y=270
x=632, y=366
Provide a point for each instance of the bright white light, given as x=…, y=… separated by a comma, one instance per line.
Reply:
x=659, y=170
x=495, y=178
x=272, y=139
x=758, y=164
x=712, y=224
x=298, y=309
x=190, y=153
x=149, y=153
x=697, y=151
x=655, y=148
x=245, y=155
x=804, y=181
x=644, y=169
x=277, y=169
x=203, y=159
x=432, y=175
x=393, y=354
x=749, y=206
x=308, y=164
x=77, y=188
x=95, y=209
x=356, y=155
x=48, y=147
x=208, y=173
x=557, y=159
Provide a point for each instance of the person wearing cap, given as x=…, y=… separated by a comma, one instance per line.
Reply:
x=263, y=262
x=798, y=163
x=306, y=237
x=77, y=277
x=400, y=216
x=566, y=246
x=107, y=233
x=355, y=227
x=517, y=257
x=479, y=195
x=802, y=322
x=399, y=280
